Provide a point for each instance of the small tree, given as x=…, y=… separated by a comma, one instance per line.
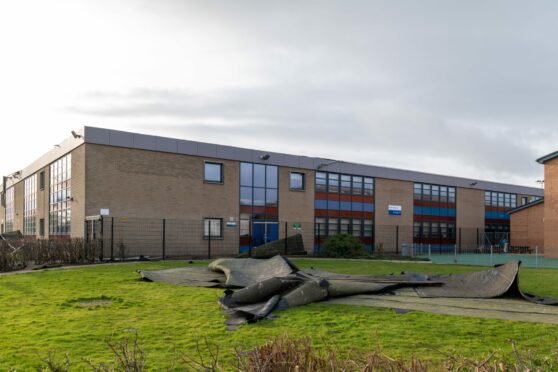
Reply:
x=343, y=245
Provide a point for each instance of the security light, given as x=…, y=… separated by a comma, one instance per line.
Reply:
x=265, y=157
x=76, y=135
x=473, y=183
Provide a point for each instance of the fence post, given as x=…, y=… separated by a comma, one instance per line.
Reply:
x=112, y=239
x=250, y=239
x=396, y=240
x=429, y=253
x=318, y=238
x=208, y=239
x=460, y=238
x=455, y=253
x=491, y=252
x=478, y=237
x=537, y=257
x=164, y=236
x=286, y=245
x=102, y=234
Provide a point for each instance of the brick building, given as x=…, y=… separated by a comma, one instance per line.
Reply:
x=241, y=197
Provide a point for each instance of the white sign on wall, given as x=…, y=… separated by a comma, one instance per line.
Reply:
x=394, y=210
x=104, y=212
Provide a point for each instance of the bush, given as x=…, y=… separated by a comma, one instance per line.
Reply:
x=343, y=245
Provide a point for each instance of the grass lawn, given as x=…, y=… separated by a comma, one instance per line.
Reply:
x=41, y=311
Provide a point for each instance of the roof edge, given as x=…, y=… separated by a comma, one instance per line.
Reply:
x=525, y=206
x=548, y=157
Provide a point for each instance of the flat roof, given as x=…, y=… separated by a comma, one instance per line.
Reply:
x=525, y=206
x=111, y=137
x=548, y=157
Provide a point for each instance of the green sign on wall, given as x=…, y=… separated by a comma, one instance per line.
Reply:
x=297, y=226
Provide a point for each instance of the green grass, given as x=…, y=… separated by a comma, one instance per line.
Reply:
x=41, y=311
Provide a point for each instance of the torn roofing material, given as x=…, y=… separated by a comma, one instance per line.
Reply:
x=276, y=284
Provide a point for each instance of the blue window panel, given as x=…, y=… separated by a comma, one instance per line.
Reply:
x=244, y=248
x=345, y=205
x=317, y=248
x=435, y=211
x=320, y=204
x=451, y=212
x=427, y=211
x=444, y=212
x=369, y=247
x=368, y=207
x=357, y=206
x=333, y=205
x=417, y=210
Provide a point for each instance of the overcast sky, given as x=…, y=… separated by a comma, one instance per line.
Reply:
x=465, y=88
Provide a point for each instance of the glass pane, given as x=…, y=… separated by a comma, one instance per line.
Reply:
x=245, y=174
x=297, y=181
x=271, y=197
x=333, y=183
x=259, y=197
x=213, y=172
x=259, y=175
x=271, y=176
x=245, y=196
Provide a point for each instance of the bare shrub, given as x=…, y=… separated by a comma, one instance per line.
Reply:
x=48, y=251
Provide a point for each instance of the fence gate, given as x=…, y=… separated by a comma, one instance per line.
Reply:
x=94, y=230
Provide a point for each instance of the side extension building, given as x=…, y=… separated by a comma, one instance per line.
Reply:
x=242, y=198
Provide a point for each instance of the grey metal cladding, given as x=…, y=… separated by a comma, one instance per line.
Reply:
x=166, y=144
x=187, y=147
x=207, y=149
x=96, y=135
x=225, y=152
x=306, y=162
x=145, y=142
x=121, y=139
x=125, y=139
x=241, y=154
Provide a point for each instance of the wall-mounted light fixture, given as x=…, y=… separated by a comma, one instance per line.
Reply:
x=265, y=157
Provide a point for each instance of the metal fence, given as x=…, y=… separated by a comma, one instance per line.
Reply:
x=125, y=237
x=122, y=237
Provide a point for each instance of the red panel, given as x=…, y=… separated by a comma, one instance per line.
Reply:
x=320, y=212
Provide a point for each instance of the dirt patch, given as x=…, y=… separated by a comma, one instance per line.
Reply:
x=95, y=303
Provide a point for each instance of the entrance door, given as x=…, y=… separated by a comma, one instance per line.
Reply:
x=264, y=232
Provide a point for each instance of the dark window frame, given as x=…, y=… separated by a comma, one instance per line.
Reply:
x=222, y=173
x=303, y=187
x=220, y=236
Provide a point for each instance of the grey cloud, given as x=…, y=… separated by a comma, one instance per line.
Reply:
x=406, y=81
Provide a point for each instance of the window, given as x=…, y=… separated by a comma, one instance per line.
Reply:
x=523, y=200
x=321, y=182
x=345, y=184
x=60, y=196
x=213, y=172
x=9, y=210
x=42, y=180
x=29, y=205
x=42, y=227
x=213, y=227
x=296, y=181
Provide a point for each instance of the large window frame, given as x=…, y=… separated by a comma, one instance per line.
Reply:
x=10, y=211
x=300, y=184
x=60, y=196
x=30, y=206
x=210, y=231
x=221, y=179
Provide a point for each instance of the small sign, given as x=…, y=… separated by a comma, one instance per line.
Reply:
x=297, y=226
x=394, y=210
x=104, y=212
x=231, y=224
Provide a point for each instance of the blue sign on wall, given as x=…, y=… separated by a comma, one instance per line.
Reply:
x=394, y=210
